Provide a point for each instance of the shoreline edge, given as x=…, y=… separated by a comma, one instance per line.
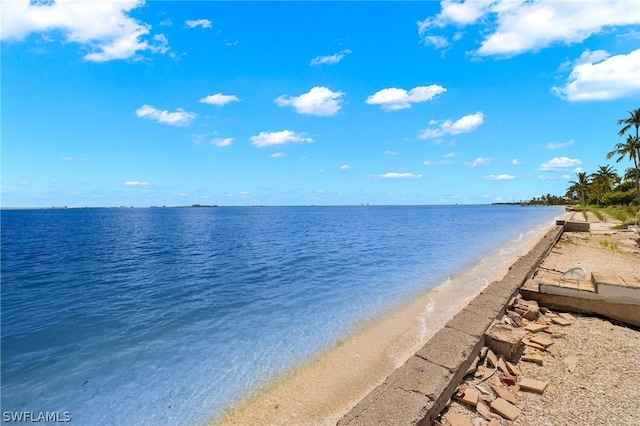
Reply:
x=418, y=391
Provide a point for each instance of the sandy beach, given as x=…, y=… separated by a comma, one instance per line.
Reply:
x=323, y=389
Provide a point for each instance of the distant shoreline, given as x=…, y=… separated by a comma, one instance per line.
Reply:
x=209, y=206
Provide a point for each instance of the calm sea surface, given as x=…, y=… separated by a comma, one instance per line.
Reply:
x=165, y=316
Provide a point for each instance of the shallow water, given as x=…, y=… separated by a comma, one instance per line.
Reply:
x=166, y=316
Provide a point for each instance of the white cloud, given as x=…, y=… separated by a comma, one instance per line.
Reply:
x=136, y=183
x=219, y=99
x=587, y=57
x=330, y=59
x=277, y=155
x=278, y=138
x=393, y=99
x=388, y=152
x=456, y=13
x=518, y=26
x=599, y=77
x=178, y=118
x=162, y=44
x=392, y=175
x=345, y=167
x=437, y=163
x=202, y=23
x=465, y=124
x=438, y=42
x=515, y=161
x=480, y=161
x=103, y=27
x=559, y=164
x=222, y=142
x=450, y=155
x=318, y=101
x=549, y=177
x=499, y=177
x=552, y=145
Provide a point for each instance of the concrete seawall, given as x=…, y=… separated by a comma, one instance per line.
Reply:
x=417, y=392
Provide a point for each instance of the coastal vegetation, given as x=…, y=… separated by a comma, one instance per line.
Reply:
x=605, y=193
x=605, y=187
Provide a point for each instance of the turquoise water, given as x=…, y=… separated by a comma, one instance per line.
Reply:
x=166, y=316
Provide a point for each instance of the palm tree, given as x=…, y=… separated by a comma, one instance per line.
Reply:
x=629, y=175
x=631, y=149
x=604, y=179
x=632, y=121
x=627, y=123
x=582, y=185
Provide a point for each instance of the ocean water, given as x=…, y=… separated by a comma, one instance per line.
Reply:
x=166, y=316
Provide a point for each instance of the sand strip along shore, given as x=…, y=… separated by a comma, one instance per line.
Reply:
x=416, y=392
x=323, y=389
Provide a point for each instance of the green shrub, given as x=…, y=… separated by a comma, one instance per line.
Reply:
x=625, y=186
x=592, y=200
x=617, y=198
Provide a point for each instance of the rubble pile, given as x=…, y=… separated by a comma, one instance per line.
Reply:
x=493, y=382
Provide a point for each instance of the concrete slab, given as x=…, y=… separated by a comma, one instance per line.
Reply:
x=619, y=294
x=624, y=312
x=602, y=286
x=490, y=302
x=422, y=376
x=470, y=323
x=406, y=397
x=606, y=278
x=394, y=407
x=567, y=291
x=631, y=281
x=450, y=348
x=501, y=289
x=574, y=226
x=587, y=285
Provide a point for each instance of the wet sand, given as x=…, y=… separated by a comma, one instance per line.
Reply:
x=321, y=390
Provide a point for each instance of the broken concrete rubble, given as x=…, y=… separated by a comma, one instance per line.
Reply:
x=505, y=394
x=536, y=358
x=504, y=377
x=505, y=340
x=533, y=385
x=505, y=409
x=467, y=395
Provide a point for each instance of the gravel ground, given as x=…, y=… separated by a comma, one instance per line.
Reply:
x=602, y=390
x=604, y=386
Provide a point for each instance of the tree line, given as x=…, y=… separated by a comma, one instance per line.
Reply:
x=605, y=186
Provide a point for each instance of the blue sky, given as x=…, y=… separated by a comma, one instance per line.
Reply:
x=298, y=103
